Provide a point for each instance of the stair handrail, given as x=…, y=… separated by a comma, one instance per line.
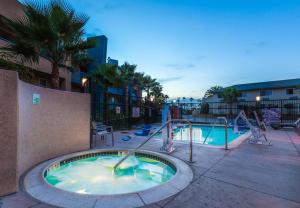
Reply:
x=152, y=135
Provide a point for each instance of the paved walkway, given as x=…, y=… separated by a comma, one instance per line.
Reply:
x=248, y=176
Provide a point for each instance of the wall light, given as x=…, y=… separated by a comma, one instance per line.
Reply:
x=84, y=81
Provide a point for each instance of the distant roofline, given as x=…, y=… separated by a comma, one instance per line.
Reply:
x=276, y=84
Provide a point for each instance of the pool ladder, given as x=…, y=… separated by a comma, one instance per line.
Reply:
x=157, y=131
x=226, y=131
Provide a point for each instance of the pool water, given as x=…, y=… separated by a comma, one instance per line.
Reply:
x=95, y=175
x=205, y=134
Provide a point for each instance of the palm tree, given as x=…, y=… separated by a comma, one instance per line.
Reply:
x=138, y=83
x=147, y=84
x=212, y=91
x=128, y=74
x=107, y=75
x=53, y=30
x=230, y=95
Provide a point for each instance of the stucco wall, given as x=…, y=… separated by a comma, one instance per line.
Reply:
x=8, y=131
x=11, y=8
x=30, y=133
x=58, y=125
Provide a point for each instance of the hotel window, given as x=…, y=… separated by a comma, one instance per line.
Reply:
x=265, y=93
x=243, y=94
x=290, y=91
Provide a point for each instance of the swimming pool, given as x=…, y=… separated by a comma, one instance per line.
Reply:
x=203, y=134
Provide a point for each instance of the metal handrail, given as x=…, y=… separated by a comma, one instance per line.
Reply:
x=152, y=135
x=211, y=129
x=226, y=131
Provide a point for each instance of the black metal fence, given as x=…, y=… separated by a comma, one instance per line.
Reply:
x=123, y=112
x=288, y=109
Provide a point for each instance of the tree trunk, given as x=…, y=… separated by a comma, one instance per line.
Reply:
x=55, y=76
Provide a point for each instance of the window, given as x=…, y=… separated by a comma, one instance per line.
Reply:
x=265, y=93
x=293, y=98
x=243, y=94
x=43, y=83
x=290, y=91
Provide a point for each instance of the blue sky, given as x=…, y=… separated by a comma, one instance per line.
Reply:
x=190, y=45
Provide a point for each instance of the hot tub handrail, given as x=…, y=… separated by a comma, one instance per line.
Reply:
x=158, y=130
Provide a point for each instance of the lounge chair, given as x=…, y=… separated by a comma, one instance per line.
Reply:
x=295, y=125
x=256, y=133
x=101, y=131
x=261, y=124
x=143, y=132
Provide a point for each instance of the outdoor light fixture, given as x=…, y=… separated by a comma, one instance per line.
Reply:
x=84, y=81
x=257, y=98
x=174, y=101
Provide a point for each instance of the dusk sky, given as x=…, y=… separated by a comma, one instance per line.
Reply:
x=191, y=45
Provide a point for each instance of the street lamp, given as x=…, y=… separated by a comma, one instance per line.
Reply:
x=257, y=98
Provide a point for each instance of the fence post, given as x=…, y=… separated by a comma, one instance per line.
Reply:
x=226, y=136
x=281, y=114
x=128, y=112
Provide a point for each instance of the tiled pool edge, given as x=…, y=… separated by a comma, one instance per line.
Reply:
x=234, y=144
x=38, y=188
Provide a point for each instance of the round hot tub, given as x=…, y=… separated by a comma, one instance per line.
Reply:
x=94, y=173
x=88, y=179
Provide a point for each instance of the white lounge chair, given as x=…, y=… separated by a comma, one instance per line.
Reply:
x=257, y=135
x=261, y=124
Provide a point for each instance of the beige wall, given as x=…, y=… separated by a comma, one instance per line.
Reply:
x=8, y=131
x=60, y=124
x=277, y=94
x=11, y=8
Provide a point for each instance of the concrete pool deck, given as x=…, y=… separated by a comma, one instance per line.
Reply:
x=247, y=176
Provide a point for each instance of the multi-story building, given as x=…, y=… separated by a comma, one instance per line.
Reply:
x=272, y=90
x=98, y=56
x=281, y=95
x=112, y=61
x=41, y=71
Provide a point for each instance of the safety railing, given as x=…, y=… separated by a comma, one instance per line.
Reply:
x=226, y=131
x=157, y=131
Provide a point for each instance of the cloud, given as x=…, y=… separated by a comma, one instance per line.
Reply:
x=169, y=79
x=180, y=66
